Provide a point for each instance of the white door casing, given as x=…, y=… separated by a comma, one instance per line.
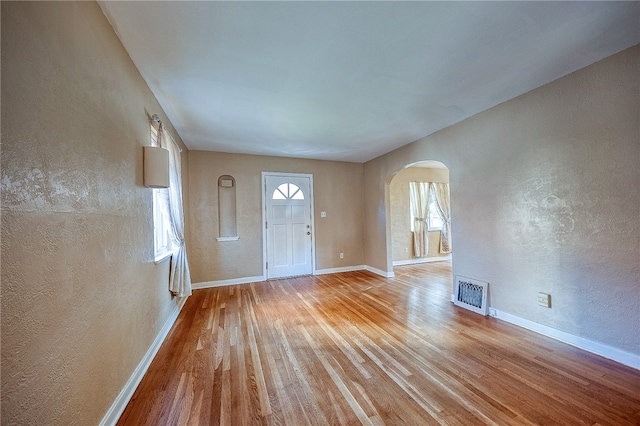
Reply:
x=288, y=224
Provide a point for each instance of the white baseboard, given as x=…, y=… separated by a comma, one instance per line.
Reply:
x=420, y=260
x=338, y=270
x=380, y=272
x=247, y=280
x=121, y=401
x=606, y=351
x=232, y=281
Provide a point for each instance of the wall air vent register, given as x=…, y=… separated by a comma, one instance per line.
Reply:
x=471, y=294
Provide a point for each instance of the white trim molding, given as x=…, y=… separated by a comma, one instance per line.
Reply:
x=223, y=239
x=421, y=260
x=232, y=281
x=340, y=269
x=121, y=401
x=606, y=351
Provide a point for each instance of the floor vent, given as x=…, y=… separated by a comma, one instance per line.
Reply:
x=471, y=294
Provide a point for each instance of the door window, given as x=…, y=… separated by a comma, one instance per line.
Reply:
x=288, y=191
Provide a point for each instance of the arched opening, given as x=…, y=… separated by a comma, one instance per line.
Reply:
x=418, y=214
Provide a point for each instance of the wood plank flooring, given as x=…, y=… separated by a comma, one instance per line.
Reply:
x=354, y=348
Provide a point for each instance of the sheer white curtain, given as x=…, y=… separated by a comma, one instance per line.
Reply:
x=180, y=278
x=419, y=197
x=440, y=192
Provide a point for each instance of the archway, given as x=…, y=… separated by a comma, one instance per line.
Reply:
x=400, y=220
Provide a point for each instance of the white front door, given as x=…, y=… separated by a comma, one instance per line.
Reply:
x=288, y=225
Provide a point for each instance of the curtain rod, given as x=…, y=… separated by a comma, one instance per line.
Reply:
x=156, y=119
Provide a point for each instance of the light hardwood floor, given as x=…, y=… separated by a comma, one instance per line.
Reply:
x=356, y=348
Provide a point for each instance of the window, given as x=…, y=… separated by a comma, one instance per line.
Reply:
x=435, y=220
x=162, y=245
x=288, y=191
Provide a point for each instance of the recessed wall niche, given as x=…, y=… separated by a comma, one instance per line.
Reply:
x=227, y=223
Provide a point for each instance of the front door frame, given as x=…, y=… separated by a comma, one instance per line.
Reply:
x=264, y=218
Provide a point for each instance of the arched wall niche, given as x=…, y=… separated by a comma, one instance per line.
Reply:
x=227, y=216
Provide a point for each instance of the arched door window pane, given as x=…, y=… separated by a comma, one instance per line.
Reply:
x=287, y=191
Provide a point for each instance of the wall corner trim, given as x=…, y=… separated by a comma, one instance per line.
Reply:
x=380, y=272
x=232, y=281
x=121, y=401
x=606, y=351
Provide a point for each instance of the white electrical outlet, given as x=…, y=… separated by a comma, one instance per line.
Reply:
x=323, y=214
x=341, y=255
x=544, y=299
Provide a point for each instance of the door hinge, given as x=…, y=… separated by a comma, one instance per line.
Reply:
x=267, y=265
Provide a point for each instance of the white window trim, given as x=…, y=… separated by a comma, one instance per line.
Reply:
x=161, y=257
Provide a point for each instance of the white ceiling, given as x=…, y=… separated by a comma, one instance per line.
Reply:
x=353, y=80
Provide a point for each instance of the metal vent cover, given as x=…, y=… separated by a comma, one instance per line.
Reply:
x=471, y=294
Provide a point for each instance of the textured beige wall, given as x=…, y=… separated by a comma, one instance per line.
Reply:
x=399, y=208
x=337, y=188
x=549, y=180
x=82, y=300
